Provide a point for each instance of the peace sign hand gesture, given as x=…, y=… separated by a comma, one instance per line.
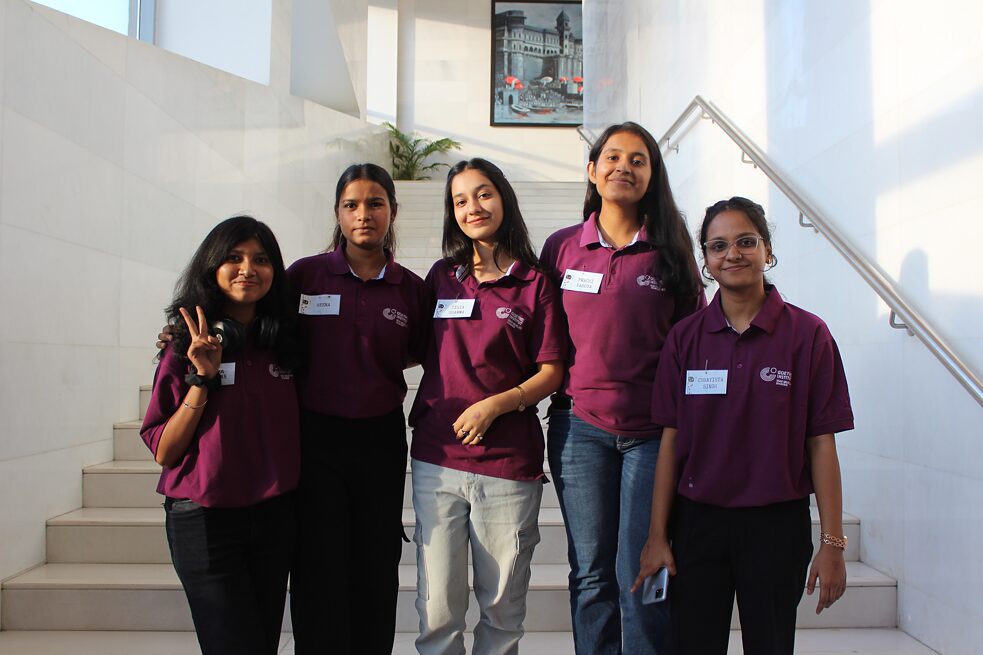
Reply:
x=205, y=351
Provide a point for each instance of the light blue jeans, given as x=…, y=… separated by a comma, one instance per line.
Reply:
x=605, y=487
x=499, y=519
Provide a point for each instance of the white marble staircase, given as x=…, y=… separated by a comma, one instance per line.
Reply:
x=108, y=568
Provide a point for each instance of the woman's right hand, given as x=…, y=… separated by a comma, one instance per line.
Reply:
x=205, y=351
x=165, y=337
x=655, y=555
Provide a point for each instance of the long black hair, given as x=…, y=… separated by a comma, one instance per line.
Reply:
x=199, y=286
x=512, y=237
x=373, y=173
x=661, y=217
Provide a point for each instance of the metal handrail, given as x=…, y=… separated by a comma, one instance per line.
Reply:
x=811, y=217
x=582, y=131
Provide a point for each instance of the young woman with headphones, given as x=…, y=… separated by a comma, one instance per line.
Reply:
x=223, y=423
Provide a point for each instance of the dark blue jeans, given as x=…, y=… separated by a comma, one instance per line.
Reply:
x=233, y=564
x=605, y=487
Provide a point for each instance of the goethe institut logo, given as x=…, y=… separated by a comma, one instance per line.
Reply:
x=779, y=377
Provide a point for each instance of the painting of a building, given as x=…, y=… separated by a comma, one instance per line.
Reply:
x=537, y=68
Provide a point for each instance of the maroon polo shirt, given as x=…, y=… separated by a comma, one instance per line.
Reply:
x=785, y=383
x=616, y=334
x=356, y=356
x=246, y=447
x=516, y=323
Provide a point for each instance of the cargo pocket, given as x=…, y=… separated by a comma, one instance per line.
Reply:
x=526, y=540
x=422, y=588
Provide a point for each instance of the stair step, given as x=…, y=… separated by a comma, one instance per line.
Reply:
x=149, y=597
x=121, y=483
x=135, y=535
x=127, y=444
x=108, y=535
x=872, y=641
x=145, y=390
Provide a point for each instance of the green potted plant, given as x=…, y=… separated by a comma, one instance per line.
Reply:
x=409, y=153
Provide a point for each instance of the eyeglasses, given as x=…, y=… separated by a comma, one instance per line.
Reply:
x=718, y=248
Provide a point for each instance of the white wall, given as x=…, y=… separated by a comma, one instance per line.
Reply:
x=116, y=157
x=232, y=35
x=451, y=49
x=873, y=108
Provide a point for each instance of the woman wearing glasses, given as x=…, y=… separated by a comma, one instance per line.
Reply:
x=750, y=391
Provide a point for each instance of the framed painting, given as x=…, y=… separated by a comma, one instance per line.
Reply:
x=537, y=75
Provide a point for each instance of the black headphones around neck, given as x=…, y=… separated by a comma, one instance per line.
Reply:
x=232, y=334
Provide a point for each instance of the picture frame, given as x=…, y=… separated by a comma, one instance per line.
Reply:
x=537, y=63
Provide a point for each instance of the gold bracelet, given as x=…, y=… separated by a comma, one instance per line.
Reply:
x=830, y=540
x=185, y=403
x=522, y=398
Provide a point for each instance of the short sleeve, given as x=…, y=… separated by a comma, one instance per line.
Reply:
x=422, y=322
x=829, y=398
x=667, y=386
x=550, y=335
x=547, y=259
x=168, y=391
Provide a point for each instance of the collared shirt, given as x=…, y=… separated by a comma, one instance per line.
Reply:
x=515, y=324
x=617, y=333
x=358, y=350
x=785, y=383
x=246, y=447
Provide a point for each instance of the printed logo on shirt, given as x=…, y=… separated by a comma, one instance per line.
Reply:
x=651, y=282
x=515, y=319
x=779, y=377
x=282, y=373
x=396, y=315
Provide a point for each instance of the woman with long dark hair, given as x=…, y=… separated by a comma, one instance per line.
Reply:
x=751, y=392
x=364, y=319
x=223, y=424
x=497, y=346
x=627, y=274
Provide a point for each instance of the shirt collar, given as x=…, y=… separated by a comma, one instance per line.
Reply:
x=765, y=319
x=590, y=234
x=517, y=270
x=338, y=264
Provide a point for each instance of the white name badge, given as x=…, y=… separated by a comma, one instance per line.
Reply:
x=328, y=304
x=459, y=308
x=706, y=383
x=581, y=281
x=227, y=373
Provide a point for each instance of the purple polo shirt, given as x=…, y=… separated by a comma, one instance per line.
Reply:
x=785, y=383
x=247, y=445
x=357, y=356
x=516, y=324
x=616, y=334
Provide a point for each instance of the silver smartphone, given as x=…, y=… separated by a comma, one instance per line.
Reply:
x=656, y=587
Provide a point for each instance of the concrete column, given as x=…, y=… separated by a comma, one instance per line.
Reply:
x=405, y=64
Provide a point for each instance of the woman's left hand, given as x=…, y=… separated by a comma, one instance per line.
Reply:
x=471, y=426
x=830, y=568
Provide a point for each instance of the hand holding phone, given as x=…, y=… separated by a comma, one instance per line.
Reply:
x=656, y=587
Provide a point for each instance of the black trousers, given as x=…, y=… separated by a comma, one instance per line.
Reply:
x=345, y=575
x=761, y=553
x=233, y=564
